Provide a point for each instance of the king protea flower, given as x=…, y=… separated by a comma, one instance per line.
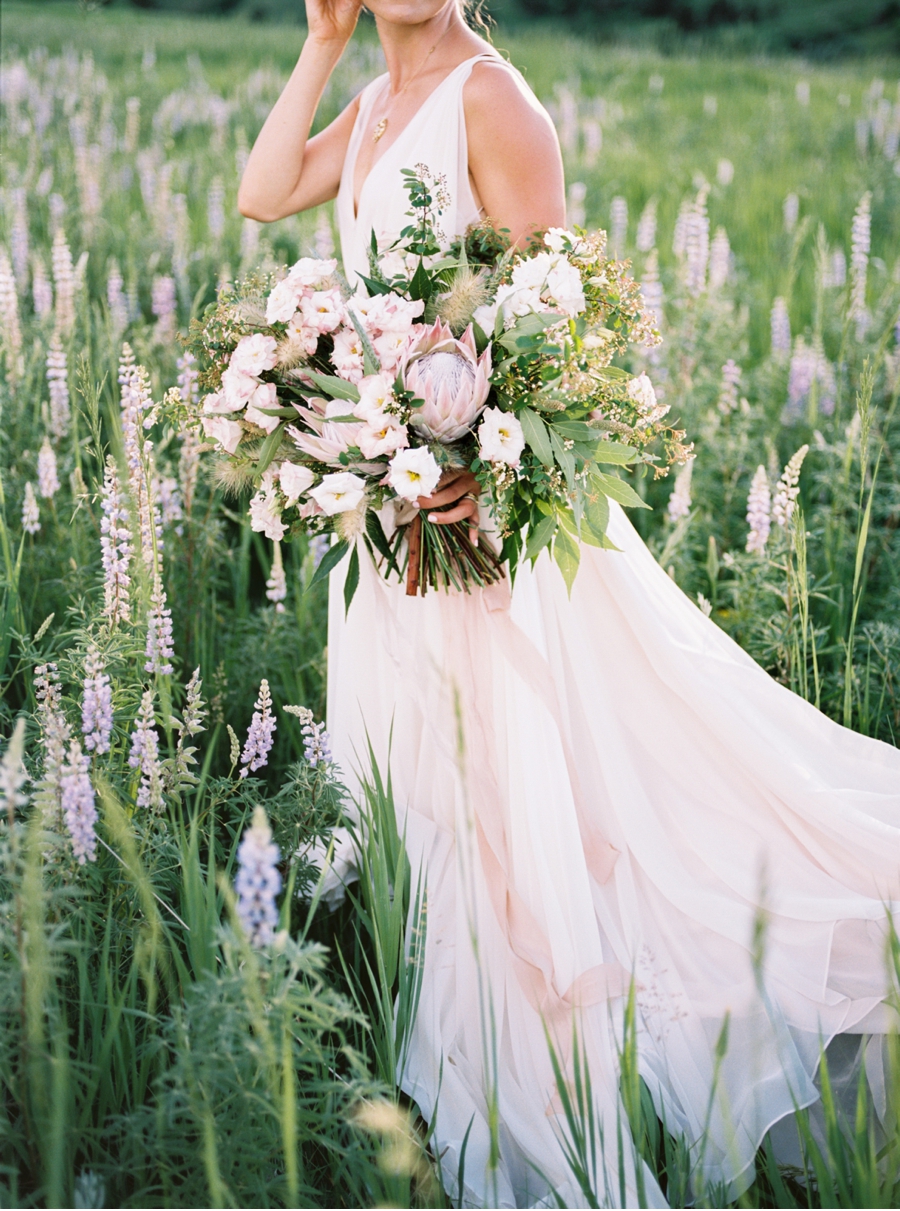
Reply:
x=450, y=377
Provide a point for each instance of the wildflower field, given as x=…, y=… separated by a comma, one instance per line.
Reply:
x=184, y=1018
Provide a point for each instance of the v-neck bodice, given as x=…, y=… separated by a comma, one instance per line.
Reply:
x=436, y=137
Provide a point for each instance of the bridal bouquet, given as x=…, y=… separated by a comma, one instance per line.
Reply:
x=342, y=409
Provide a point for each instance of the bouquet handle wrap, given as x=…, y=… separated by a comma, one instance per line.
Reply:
x=414, y=539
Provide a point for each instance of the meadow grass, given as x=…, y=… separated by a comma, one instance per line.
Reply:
x=148, y=1056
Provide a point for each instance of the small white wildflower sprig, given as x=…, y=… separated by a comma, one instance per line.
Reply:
x=261, y=733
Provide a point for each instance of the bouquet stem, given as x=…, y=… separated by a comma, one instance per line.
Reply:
x=444, y=557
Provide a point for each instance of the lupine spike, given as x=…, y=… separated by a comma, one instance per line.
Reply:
x=759, y=506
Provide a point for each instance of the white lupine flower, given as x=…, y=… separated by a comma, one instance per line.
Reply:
x=342, y=491
x=160, y=647
x=646, y=228
x=696, y=244
x=31, y=514
x=276, y=585
x=759, y=503
x=680, y=500
x=55, y=736
x=788, y=488
x=500, y=437
x=260, y=735
x=96, y=704
x=12, y=773
x=860, y=244
x=64, y=283
x=725, y=172
x=116, y=546
x=781, y=329
x=48, y=477
x=728, y=394
x=41, y=290
x=413, y=473
x=58, y=385
x=258, y=881
x=791, y=212
x=652, y=290
x=18, y=236
x=144, y=756
x=719, y=259
x=215, y=209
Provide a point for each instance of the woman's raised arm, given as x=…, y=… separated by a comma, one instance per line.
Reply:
x=287, y=171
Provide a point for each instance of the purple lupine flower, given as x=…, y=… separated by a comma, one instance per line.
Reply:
x=168, y=493
x=96, y=705
x=18, y=236
x=115, y=543
x=860, y=245
x=163, y=306
x=48, y=475
x=260, y=734
x=788, y=488
x=116, y=299
x=79, y=809
x=759, y=511
x=646, y=228
x=9, y=312
x=781, y=329
x=58, y=385
x=160, y=646
x=317, y=742
x=318, y=545
x=41, y=290
x=728, y=394
x=144, y=756
x=64, y=283
x=719, y=259
x=276, y=585
x=258, y=881
x=31, y=514
x=809, y=367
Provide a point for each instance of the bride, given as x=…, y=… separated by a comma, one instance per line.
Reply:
x=602, y=788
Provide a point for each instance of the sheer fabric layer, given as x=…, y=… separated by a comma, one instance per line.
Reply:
x=604, y=787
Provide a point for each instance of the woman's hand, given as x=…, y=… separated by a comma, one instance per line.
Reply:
x=333, y=22
x=460, y=486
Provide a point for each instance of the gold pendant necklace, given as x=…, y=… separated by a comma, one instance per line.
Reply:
x=382, y=124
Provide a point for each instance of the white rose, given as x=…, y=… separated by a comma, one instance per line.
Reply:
x=339, y=492
x=565, y=288
x=265, y=396
x=500, y=437
x=226, y=432
x=531, y=272
x=414, y=473
x=486, y=317
x=295, y=480
x=640, y=389
x=237, y=387
x=282, y=302
x=255, y=353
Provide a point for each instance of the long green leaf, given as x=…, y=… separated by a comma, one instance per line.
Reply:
x=536, y=435
x=330, y=559
x=334, y=387
x=539, y=536
x=352, y=580
x=618, y=490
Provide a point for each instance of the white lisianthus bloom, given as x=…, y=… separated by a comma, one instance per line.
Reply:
x=282, y=302
x=265, y=516
x=500, y=437
x=224, y=431
x=375, y=391
x=311, y=271
x=556, y=238
x=382, y=434
x=299, y=330
x=640, y=389
x=216, y=403
x=340, y=492
x=564, y=287
x=486, y=317
x=391, y=346
x=347, y=356
x=265, y=396
x=255, y=353
x=414, y=473
x=323, y=310
x=237, y=387
x=295, y=480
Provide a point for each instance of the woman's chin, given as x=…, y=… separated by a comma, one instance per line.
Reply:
x=409, y=12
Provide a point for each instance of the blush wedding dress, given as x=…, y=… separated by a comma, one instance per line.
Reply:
x=600, y=788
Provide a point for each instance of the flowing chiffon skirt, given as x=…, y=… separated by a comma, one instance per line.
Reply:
x=606, y=788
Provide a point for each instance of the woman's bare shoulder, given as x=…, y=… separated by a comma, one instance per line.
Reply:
x=497, y=91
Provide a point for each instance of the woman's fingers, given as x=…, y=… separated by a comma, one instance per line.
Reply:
x=453, y=485
x=465, y=508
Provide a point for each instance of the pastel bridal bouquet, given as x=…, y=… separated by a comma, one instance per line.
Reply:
x=340, y=409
